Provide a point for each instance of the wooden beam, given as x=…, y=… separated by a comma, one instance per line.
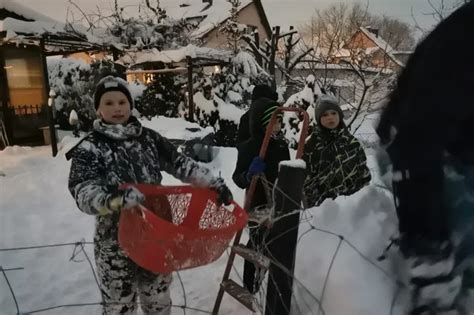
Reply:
x=190, y=89
x=52, y=127
x=4, y=97
x=168, y=70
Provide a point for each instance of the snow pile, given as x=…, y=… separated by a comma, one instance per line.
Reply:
x=246, y=64
x=176, y=128
x=173, y=55
x=36, y=25
x=37, y=209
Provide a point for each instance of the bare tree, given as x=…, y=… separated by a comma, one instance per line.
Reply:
x=340, y=55
x=333, y=26
x=439, y=10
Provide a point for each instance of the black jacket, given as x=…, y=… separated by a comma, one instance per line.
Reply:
x=244, y=128
x=336, y=165
x=430, y=115
x=277, y=151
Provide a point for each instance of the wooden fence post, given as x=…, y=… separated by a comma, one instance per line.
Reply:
x=283, y=236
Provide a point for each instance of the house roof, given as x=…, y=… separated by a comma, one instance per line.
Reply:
x=382, y=44
x=208, y=16
x=21, y=25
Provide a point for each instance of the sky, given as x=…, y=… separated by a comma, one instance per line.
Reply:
x=299, y=11
x=279, y=12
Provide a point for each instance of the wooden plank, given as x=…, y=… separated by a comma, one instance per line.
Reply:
x=256, y=258
x=240, y=294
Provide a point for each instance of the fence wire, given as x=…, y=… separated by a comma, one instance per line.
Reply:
x=79, y=248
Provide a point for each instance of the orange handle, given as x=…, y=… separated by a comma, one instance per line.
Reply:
x=266, y=140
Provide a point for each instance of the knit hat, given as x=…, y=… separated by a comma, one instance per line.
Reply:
x=111, y=83
x=262, y=90
x=261, y=113
x=325, y=103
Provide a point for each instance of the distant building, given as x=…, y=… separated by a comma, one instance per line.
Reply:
x=367, y=43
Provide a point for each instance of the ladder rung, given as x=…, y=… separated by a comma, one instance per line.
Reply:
x=240, y=294
x=254, y=257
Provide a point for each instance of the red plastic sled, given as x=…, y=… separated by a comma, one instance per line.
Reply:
x=178, y=227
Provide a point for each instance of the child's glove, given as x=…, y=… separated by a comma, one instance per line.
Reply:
x=122, y=199
x=256, y=167
x=224, y=195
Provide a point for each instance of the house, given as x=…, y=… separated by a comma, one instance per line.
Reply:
x=26, y=39
x=368, y=47
x=209, y=15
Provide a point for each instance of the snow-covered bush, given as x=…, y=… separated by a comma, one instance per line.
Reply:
x=163, y=96
x=230, y=96
x=74, y=83
x=305, y=99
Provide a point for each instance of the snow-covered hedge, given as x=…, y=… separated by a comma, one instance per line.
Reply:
x=74, y=82
x=230, y=96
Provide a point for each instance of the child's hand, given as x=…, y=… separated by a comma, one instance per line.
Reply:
x=132, y=197
x=123, y=199
x=256, y=167
x=224, y=195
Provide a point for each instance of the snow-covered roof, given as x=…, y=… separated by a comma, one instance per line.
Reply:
x=208, y=16
x=309, y=65
x=382, y=44
x=27, y=13
x=27, y=26
x=174, y=55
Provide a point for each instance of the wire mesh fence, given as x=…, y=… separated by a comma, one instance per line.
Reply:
x=304, y=298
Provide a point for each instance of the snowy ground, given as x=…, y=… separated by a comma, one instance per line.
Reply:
x=36, y=209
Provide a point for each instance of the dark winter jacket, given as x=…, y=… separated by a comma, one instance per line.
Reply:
x=277, y=151
x=336, y=165
x=430, y=116
x=115, y=154
x=259, y=92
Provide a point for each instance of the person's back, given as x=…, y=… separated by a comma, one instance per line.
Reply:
x=427, y=128
x=248, y=165
x=277, y=151
x=259, y=91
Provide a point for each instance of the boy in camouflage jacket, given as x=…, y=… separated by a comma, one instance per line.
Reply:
x=119, y=150
x=335, y=159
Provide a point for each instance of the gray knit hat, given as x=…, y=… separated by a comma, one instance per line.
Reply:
x=325, y=103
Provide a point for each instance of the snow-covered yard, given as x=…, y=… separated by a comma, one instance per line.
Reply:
x=36, y=209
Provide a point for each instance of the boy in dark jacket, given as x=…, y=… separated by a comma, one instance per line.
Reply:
x=249, y=164
x=119, y=150
x=259, y=91
x=427, y=131
x=335, y=159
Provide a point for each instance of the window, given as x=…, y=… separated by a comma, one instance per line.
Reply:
x=25, y=79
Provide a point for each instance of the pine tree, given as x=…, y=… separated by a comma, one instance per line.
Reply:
x=161, y=97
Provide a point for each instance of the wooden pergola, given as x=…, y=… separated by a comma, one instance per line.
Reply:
x=182, y=60
x=24, y=85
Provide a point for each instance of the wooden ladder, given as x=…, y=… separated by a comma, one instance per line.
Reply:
x=228, y=285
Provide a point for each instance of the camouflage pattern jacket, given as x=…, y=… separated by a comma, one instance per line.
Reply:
x=336, y=165
x=115, y=154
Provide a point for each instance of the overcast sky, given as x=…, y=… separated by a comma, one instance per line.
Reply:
x=279, y=12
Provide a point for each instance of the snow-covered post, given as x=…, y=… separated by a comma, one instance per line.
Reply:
x=52, y=127
x=284, y=235
x=190, y=89
x=51, y=94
